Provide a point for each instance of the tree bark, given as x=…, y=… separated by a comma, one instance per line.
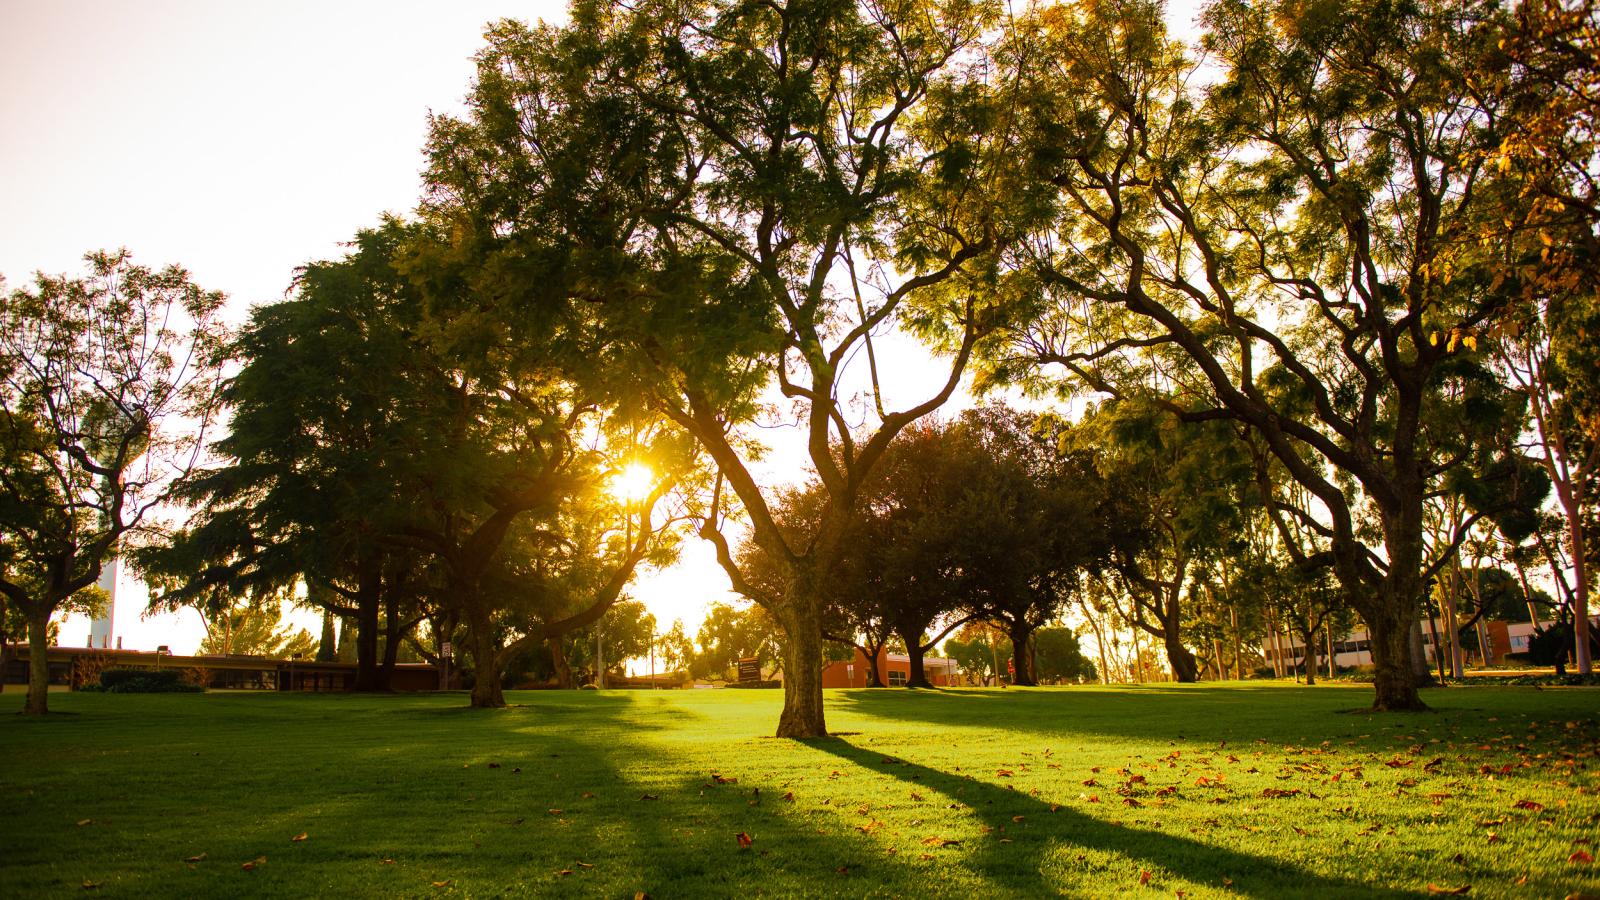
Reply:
x=1021, y=633
x=1184, y=668
x=801, y=619
x=38, y=701
x=1394, y=682
x=486, y=690
x=558, y=661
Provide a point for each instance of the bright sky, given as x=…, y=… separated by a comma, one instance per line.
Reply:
x=241, y=141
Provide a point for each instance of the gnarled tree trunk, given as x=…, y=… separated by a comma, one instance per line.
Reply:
x=801, y=620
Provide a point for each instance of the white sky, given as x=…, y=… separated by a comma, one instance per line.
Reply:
x=241, y=141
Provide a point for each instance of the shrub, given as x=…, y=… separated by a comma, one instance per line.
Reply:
x=146, y=681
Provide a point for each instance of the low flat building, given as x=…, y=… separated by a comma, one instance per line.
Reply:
x=893, y=668
x=74, y=667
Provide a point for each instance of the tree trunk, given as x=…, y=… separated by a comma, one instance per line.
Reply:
x=1238, y=654
x=486, y=690
x=918, y=677
x=391, y=651
x=38, y=702
x=1184, y=668
x=558, y=661
x=1310, y=636
x=1580, y=596
x=801, y=618
x=1021, y=633
x=1394, y=682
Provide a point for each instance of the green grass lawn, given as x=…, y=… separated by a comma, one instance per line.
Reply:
x=1203, y=791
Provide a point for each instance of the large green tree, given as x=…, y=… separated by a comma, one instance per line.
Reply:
x=745, y=194
x=108, y=384
x=1299, y=219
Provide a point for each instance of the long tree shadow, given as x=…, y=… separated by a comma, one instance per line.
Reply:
x=1021, y=862
x=1164, y=713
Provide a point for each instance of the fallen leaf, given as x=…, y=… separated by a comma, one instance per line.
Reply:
x=90, y=885
x=196, y=858
x=1580, y=857
x=1003, y=773
x=745, y=840
x=1494, y=838
x=649, y=797
x=494, y=765
x=1090, y=782
x=556, y=812
x=1436, y=889
x=1275, y=793
x=1054, y=807
x=1129, y=801
x=641, y=895
x=916, y=796
x=441, y=884
x=1533, y=805
x=789, y=797
x=386, y=861
x=584, y=865
x=299, y=837
x=1144, y=876
x=254, y=863
x=1005, y=840
x=517, y=770
x=588, y=795
x=1018, y=818
x=937, y=841
x=83, y=822
x=564, y=872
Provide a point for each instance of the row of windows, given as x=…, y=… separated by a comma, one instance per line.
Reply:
x=1362, y=646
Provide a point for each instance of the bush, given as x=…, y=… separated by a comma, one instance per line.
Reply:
x=146, y=681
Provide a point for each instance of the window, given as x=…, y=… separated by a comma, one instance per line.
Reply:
x=897, y=678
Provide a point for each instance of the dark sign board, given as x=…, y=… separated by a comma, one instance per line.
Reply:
x=749, y=669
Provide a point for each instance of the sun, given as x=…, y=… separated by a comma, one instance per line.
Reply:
x=633, y=483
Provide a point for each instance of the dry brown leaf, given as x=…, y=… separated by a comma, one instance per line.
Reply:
x=1436, y=889
x=254, y=863
x=557, y=812
x=1003, y=773
x=1531, y=805
x=299, y=837
x=83, y=822
x=196, y=858
x=1018, y=818
x=584, y=865
x=649, y=797
x=564, y=872
x=789, y=797
x=386, y=861
x=441, y=884
x=90, y=885
x=588, y=795
x=744, y=840
x=1580, y=857
x=1144, y=876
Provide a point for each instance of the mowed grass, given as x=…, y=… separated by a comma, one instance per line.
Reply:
x=1211, y=791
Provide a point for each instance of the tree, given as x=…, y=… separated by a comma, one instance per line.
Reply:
x=1057, y=656
x=1301, y=230
x=108, y=384
x=741, y=194
x=675, y=648
x=254, y=629
x=730, y=634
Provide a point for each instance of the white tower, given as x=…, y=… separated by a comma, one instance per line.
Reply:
x=100, y=627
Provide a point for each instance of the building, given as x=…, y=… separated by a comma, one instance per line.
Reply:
x=1355, y=649
x=73, y=667
x=894, y=668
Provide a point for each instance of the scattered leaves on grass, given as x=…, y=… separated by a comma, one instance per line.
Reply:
x=298, y=838
x=744, y=840
x=1437, y=889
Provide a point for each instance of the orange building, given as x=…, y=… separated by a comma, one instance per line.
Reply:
x=893, y=668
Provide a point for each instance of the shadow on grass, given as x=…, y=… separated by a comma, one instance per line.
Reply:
x=1023, y=862
x=1162, y=713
